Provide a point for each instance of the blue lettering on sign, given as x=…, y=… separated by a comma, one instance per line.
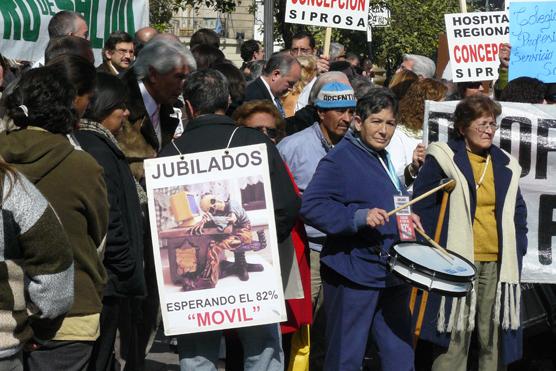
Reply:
x=533, y=40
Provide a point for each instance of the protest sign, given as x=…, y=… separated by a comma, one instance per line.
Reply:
x=214, y=240
x=528, y=132
x=473, y=43
x=379, y=16
x=533, y=40
x=24, y=24
x=350, y=14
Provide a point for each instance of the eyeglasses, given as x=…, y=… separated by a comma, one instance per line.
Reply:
x=212, y=209
x=125, y=51
x=269, y=132
x=481, y=128
x=300, y=51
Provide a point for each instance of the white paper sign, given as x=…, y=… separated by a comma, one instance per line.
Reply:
x=528, y=132
x=349, y=14
x=214, y=240
x=473, y=43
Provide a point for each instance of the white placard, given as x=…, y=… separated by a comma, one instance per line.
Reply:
x=349, y=14
x=528, y=132
x=474, y=42
x=214, y=240
x=24, y=24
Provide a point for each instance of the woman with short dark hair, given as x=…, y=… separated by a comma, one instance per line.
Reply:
x=41, y=105
x=123, y=258
x=486, y=224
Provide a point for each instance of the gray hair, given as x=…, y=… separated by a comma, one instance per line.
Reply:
x=282, y=61
x=422, y=66
x=63, y=23
x=163, y=55
x=336, y=50
x=326, y=78
x=361, y=85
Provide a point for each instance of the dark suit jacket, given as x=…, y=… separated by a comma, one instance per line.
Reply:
x=257, y=90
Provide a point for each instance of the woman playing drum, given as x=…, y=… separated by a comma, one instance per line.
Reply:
x=351, y=189
x=486, y=224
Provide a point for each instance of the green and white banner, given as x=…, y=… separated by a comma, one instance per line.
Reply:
x=24, y=23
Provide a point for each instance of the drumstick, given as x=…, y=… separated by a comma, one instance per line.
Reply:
x=436, y=246
x=447, y=184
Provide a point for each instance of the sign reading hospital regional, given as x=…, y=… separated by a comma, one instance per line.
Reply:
x=214, y=240
x=474, y=41
x=349, y=14
x=528, y=132
x=24, y=24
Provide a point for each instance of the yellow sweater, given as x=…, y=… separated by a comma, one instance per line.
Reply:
x=485, y=234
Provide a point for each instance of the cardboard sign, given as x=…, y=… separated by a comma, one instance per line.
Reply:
x=24, y=24
x=533, y=40
x=528, y=132
x=214, y=240
x=349, y=14
x=473, y=42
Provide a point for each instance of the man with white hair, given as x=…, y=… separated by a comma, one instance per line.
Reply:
x=154, y=84
x=423, y=66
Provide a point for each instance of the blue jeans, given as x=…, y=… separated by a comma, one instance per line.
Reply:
x=262, y=347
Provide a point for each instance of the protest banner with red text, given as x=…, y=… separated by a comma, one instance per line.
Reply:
x=474, y=42
x=214, y=240
x=349, y=14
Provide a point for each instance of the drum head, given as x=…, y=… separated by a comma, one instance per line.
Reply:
x=423, y=257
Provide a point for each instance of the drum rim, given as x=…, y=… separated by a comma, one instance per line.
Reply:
x=427, y=270
x=434, y=290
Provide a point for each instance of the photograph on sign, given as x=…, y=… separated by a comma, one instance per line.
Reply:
x=474, y=40
x=348, y=14
x=524, y=131
x=214, y=240
x=533, y=40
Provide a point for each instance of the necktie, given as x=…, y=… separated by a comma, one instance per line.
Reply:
x=155, y=119
x=280, y=107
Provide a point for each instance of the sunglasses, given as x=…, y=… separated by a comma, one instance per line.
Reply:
x=269, y=132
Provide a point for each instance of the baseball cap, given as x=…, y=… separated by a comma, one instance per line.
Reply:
x=335, y=95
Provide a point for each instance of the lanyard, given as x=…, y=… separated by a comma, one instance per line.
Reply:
x=390, y=171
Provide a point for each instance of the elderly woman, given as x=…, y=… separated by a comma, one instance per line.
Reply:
x=361, y=296
x=263, y=116
x=42, y=106
x=123, y=258
x=486, y=224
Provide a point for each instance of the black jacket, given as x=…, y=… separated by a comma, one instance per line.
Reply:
x=302, y=119
x=123, y=258
x=257, y=90
x=212, y=132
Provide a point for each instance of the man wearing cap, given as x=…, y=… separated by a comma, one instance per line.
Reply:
x=302, y=151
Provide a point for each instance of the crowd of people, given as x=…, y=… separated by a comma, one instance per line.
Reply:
x=77, y=276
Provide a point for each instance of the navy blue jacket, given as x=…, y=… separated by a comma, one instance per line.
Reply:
x=348, y=182
x=428, y=209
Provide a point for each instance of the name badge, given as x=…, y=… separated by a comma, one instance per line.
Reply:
x=403, y=219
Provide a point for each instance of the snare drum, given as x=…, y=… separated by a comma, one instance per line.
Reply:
x=428, y=269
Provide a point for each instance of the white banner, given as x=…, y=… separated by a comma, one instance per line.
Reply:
x=24, y=24
x=349, y=14
x=214, y=240
x=528, y=132
x=473, y=43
